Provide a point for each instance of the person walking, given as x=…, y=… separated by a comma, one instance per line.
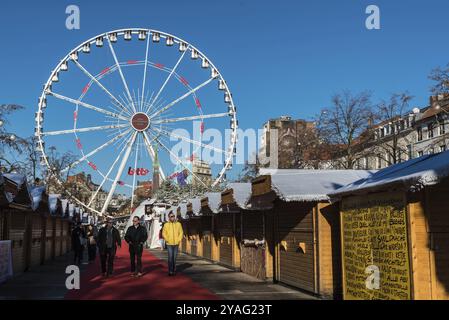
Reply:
x=172, y=234
x=92, y=234
x=78, y=243
x=135, y=236
x=108, y=241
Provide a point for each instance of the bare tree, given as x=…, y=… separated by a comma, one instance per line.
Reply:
x=393, y=114
x=9, y=142
x=250, y=169
x=440, y=76
x=344, y=126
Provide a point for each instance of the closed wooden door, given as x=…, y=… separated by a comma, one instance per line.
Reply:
x=440, y=265
x=58, y=241
x=225, y=231
x=49, y=239
x=296, y=246
x=36, y=239
x=207, y=245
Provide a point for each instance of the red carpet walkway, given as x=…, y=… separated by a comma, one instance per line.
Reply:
x=154, y=285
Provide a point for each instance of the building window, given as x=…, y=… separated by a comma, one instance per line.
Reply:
x=429, y=131
x=379, y=163
x=419, y=131
x=442, y=129
x=443, y=148
x=409, y=152
x=420, y=153
x=431, y=151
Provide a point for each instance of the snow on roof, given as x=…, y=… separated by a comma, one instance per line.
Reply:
x=9, y=197
x=64, y=205
x=71, y=209
x=53, y=202
x=36, y=194
x=312, y=185
x=411, y=175
x=183, y=209
x=241, y=192
x=196, y=205
x=140, y=210
x=214, y=200
x=17, y=178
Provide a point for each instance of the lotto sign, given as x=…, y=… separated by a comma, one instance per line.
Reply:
x=5, y=260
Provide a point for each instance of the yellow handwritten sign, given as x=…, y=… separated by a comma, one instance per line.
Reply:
x=375, y=248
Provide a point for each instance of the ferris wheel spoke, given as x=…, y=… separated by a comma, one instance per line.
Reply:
x=108, y=143
x=84, y=70
x=86, y=105
x=77, y=130
x=191, y=118
x=152, y=153
x=119, y=172
x=168, y=78
x=105, y=178
x=121, y=74
x=198, y=143
x=134, y=176
x=145, y=73
x=179, y=161
x=171, y=104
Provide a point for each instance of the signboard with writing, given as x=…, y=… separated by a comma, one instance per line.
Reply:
x=5, y=260
x=375, y=248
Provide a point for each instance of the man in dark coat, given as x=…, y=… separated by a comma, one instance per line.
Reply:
x=135, y=236
x=78, y=242
x=108, y=241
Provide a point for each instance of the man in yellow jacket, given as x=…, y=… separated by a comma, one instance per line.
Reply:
x=172, y=234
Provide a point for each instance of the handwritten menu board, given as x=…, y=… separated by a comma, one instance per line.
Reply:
x=374, y=236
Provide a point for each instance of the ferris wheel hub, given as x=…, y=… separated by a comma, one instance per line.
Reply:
x=140, y=121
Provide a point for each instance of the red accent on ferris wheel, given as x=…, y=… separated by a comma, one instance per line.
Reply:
x=75, y=115
x=86, y=88
x=202, y=127
x=159, y=66
x=198, y=103
x=132, y=62
x=121, y=183
x=183, y=81
x=92, y=165
x=78, y=144
x=105, y=70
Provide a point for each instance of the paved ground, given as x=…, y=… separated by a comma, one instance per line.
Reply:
x=229, y=284
x=43, y=282
x=48, y=281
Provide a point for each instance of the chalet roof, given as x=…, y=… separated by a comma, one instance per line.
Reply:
x=196, y=205
x=214, y=200
x=311, y=185
x=37, y=193
x=411, y=175
x=21, y=192
x=183, y=209
x=5, y=197
x=53, y=200
x=241, y=192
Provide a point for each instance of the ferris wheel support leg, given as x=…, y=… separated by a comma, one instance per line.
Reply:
x=152, y=153
x=119, y=173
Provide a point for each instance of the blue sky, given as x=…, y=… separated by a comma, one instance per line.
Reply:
x=278, y=57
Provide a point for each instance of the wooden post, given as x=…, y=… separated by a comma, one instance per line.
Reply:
x=215, y=254
x=419, y=252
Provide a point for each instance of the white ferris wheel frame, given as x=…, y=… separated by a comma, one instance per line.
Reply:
x=112, y=37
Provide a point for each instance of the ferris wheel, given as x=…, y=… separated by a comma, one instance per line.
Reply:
x=122, y=102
